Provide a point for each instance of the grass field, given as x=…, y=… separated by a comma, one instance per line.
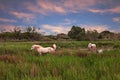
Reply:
x=72, y=61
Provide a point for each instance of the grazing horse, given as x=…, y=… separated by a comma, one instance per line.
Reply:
x=92, y=47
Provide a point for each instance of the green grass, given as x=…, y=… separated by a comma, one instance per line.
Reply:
x=70, y=62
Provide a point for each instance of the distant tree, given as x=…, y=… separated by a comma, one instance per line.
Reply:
x=77, y=33
x=62, y=36
x=92, y=35
x=17, y=33
x=118, y=36
x=6, y=36
x=32, y=34
x=106, y=35
x=31, y=29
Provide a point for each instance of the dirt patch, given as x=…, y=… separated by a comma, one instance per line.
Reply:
x=82, y=55
x=11, y=58
x=54, y=72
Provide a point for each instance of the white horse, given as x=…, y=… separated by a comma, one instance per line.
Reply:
x=42, y=50
x=92, y=47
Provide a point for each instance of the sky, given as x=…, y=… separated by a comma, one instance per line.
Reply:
x=58, y=16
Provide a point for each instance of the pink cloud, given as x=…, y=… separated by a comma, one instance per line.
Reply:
x=96, y=11
x=115, y=10
x=111, y=10
x=65, y=29
x=116, y=19
x=76, y=5
x=7, y=28
x=50, y=6
x=21, y=15
x=34, y=8
x=45, y=7
x=56, y=29
x=10, y=28
x=7, y=20
x=2, y=7
x=99, y=28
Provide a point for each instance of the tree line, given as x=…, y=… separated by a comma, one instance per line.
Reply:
x=29, y=34
x=76, y=33
x=80, y=34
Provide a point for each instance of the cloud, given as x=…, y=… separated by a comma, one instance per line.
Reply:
x=116, y=19
x=21, y=15
x=10, y=28
x=55, y=29
x=99, y=28
x=50, y=6
x=62, y=27
x=45, y=7
x=77, y=5
x=2, y=7
x=7, y=20
x=114, y=10
x=97, y=11
x=117, y=30
x=6, y=28
x=34, y=8
x=67, y=22
x=51, y=29
x=110, y=10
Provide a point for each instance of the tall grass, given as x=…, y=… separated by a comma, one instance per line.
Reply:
x=70, y=62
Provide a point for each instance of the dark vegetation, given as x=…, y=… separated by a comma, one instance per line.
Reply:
x=76, y=33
